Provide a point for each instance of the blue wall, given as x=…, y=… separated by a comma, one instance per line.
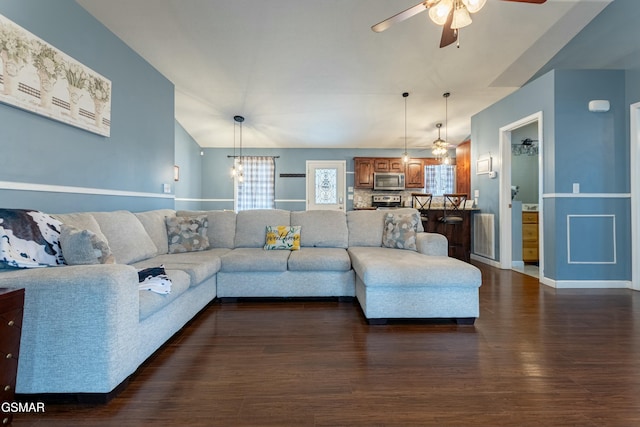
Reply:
x=530, y=99
x=586, y=236
x=189, y=187
x=131, y=165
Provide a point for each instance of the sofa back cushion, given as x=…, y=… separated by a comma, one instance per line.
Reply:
x=222, y=227
x=251, y=226
x=366, y=226
x=81, y=221
x=127, y=238
x=154, y=224
x=322, y=229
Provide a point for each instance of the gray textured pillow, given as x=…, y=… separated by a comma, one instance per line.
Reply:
x=400, y=231
x=187, y=233
x=83, y=247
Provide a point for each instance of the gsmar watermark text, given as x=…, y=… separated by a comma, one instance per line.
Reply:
x=21, y=407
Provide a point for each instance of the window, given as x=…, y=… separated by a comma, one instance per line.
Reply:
x=257, y=189
x=440, y=179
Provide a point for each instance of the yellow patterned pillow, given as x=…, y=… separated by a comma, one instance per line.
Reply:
x=283, y=237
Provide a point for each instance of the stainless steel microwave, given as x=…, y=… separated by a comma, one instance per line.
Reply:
x=388, y=181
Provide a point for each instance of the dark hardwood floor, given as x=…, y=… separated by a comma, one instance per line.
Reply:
x=536, y=357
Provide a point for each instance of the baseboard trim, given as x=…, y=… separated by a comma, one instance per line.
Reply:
x=587, y=284
x=484, y=260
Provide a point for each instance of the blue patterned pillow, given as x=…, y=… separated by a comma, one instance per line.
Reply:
x=400, y=231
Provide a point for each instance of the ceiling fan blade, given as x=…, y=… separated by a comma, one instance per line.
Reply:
x=449, y=35
x=528, y=1
x=406, y=14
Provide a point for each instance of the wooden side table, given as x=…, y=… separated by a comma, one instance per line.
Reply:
x=11, y=307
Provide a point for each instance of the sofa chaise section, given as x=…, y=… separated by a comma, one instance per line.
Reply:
x=401, y=283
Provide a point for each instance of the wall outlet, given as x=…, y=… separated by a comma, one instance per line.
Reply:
x=166, y=188
x=349, y=189
x=576, y=188
x=349, y=196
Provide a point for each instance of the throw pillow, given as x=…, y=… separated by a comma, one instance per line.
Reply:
x=283, y=237
x=84, y=247
x=29, y=239
x=187, y=233
x=154, y=279
x=400, y=231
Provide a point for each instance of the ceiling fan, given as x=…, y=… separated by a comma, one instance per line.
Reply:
x=451, y=14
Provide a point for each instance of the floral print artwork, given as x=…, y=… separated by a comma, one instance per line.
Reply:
x=39, y=78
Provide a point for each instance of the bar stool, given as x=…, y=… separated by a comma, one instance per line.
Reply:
x=422, y=202
x=452, y=214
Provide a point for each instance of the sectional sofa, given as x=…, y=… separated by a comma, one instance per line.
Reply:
x=88, y=327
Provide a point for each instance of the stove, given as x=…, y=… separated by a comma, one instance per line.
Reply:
x=386, y=201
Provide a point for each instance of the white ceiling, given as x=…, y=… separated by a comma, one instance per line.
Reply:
x=311, y=73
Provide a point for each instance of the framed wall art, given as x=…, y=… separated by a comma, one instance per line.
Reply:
x=39, y=78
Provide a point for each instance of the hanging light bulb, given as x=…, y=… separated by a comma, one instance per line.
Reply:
x=440, y=11
x=405, y=156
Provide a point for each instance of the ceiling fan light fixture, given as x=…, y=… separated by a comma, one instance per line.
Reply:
x=461, y=18
x=474, y=6
x=440, y=11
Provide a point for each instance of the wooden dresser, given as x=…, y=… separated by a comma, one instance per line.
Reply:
x=11, y=306
x=530, y=237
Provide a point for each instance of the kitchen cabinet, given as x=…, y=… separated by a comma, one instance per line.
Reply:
x=530, y=237
x=363, y=171
x=463, y=168
x=414, y=174
x=364, y=167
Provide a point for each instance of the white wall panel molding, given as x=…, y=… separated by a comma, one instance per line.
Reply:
x=609, y=220
x=47, y=188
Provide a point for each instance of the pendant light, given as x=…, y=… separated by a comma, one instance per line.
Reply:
x=405, y=156
x=234, y=171
x=239, y=172
x=440, y=146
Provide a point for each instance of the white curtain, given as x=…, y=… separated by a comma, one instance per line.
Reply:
x=440, y=179
x=257, y=190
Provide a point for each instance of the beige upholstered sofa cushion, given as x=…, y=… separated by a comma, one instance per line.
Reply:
x=154, y=224
x=127, y=238
x=251, y=226
x=322, y=229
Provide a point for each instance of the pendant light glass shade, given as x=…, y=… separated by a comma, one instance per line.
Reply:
x=461, y=18
x=474, y=6
x=440, y=11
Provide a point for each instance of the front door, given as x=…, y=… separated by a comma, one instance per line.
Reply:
x=326, y=184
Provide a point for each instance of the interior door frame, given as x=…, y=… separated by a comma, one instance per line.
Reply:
x=506, y=244
x=342, y=190
x=634, y=158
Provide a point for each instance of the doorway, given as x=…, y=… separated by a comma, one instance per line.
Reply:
x=531, y=212
x=326, y=184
